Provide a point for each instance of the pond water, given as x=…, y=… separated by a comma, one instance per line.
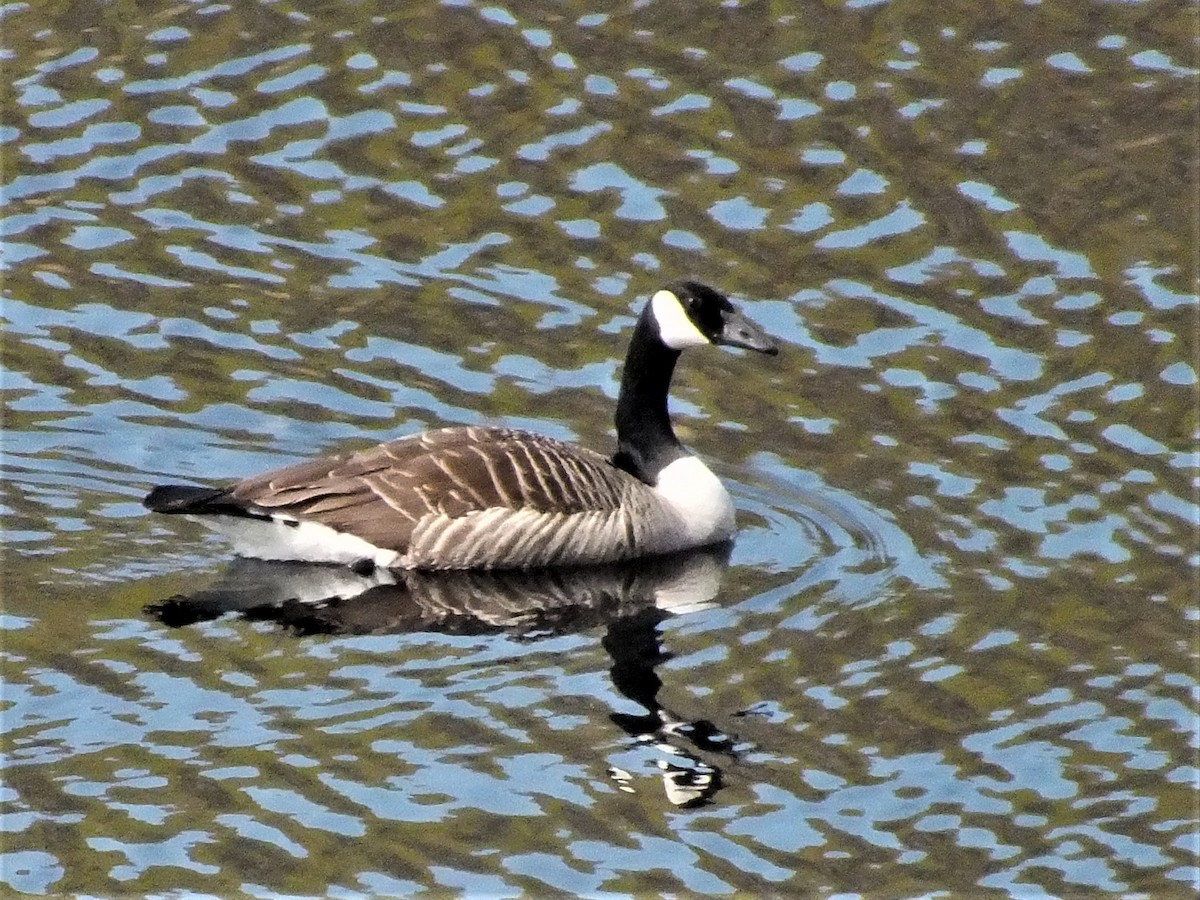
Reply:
x=954, y=647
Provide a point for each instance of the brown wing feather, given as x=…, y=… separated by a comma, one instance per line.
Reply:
x=381, y=493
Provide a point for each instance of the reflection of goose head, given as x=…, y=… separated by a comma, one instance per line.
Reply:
x=336, y=600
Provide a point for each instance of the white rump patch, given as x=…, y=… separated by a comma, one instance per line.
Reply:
x=674, y=326
x=280, y=538
x=697, y=496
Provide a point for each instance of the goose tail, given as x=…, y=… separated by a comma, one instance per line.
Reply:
x=186, y=499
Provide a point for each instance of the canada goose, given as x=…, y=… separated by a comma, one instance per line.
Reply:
x=497, y=498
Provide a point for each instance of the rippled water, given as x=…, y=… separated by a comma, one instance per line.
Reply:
x=955, y=644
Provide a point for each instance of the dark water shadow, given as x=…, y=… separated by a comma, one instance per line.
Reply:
x=629, y=601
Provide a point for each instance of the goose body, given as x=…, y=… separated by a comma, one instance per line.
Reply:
x=501, y=498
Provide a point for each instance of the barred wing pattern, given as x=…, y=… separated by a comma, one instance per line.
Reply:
x=473, y=497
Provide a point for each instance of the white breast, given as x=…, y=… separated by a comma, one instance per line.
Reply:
x=699, y=499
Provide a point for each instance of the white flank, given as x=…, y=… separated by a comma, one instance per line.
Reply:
x=288, y=539
x=674, y=327
x=699, y=499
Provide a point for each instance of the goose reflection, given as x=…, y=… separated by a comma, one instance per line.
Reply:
x=628, y=600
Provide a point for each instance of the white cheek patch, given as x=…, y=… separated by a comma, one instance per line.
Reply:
x=674, y=326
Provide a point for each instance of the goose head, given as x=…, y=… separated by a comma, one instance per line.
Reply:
x=690, y=314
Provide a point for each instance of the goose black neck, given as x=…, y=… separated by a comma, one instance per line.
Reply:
x=646, y=443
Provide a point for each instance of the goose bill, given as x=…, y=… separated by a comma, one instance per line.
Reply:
x=738, y=331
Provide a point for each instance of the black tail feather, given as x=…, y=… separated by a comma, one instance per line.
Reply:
x=182, y=498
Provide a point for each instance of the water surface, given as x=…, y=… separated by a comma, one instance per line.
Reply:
x=955, y=644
